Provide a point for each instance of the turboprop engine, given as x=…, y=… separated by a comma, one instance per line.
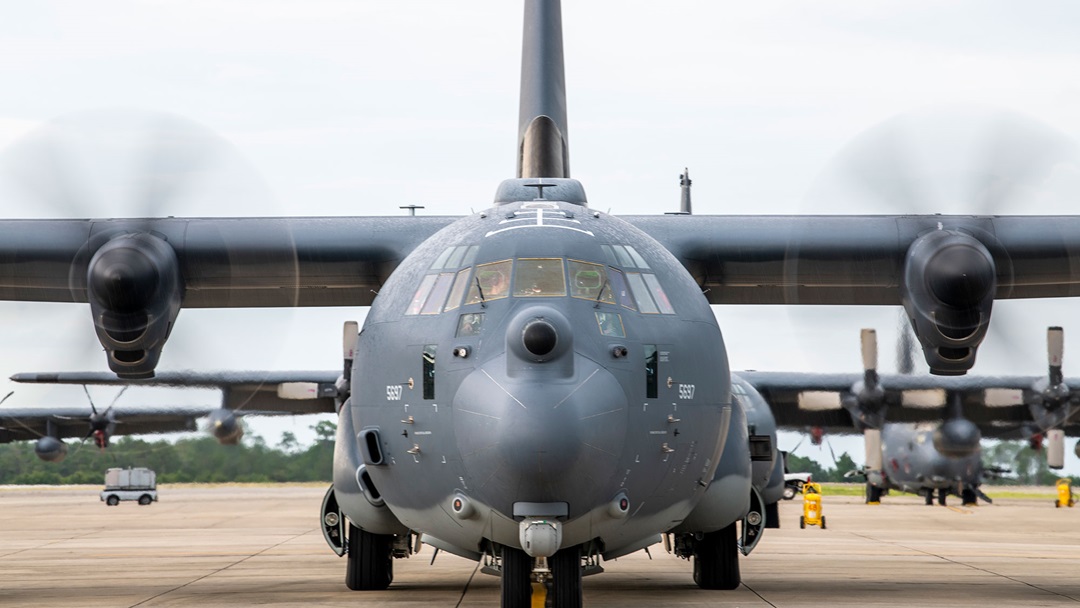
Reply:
x=226, y=427
x=50, y=449
x=948, y=291
x=134, y=288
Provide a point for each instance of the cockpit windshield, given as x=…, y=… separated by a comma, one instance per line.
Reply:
x=491, y=282
x=539, y=277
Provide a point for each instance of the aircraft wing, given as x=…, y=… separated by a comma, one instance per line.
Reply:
x=837, y=259
x=286, y=392
x=223, y=262
x=29, y=423
x=997, y=404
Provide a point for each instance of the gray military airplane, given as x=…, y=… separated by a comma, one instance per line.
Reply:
x=905, y=455
x=540, y=385
x=909, y=462
x=49, y=426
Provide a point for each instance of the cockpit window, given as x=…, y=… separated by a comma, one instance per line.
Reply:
x=610, y=324
x=658, y=294
x=589, y=282
x=460, y=283
x=455, y=257
x=638, y=260
x=434, y=303
x=624, y=257
x=539, y=277
x=470, y=324
x=421, y=294
x=491, y=282
x=641, y=293
x=441, y=260
x=622, y=292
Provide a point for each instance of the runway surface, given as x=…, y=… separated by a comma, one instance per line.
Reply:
x=240, y=546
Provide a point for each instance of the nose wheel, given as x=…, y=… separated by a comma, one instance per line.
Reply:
x=566, y=576
x=517, y=569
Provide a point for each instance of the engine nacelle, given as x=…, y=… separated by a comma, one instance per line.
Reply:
x=948, y=290
x=226, y=427
x=50, y=449
x=135, y=291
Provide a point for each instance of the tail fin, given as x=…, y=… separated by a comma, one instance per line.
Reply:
x=542, y=142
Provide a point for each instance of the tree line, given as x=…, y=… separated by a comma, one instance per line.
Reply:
x=190, y=460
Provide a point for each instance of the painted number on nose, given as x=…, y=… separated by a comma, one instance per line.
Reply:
x=393, y=392
x=686, y=391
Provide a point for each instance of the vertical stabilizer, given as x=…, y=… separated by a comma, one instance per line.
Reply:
x=542, y=142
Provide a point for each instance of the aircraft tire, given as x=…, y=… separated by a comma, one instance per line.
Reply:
x=873, y=493
x=929, y=498
x=968, y=497
x=516, y=578
x=942, y=493
x=566, y=578
x=370, y=567
x=772, y=515
x=716, y=560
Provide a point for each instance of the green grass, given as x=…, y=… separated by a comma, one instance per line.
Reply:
x=1024, y=492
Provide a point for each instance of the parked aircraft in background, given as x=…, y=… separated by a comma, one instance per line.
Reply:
x=539, y=386
x=907, y=455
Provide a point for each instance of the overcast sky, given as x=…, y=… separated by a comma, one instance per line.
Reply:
x=356, y=108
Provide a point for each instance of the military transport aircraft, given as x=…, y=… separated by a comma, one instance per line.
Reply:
x=539, y=385
x=915, y=457
x=49, y=426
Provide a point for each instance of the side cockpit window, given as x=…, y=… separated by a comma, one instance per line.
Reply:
x=610, y=324
x=470, y=324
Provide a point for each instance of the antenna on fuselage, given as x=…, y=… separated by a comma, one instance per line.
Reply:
x=412, y=209
x=684, y=194
x=542, y=134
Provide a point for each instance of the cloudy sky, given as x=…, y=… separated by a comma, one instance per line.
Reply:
x=340, y=107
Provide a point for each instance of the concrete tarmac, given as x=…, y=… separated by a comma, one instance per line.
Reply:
x=242, y=546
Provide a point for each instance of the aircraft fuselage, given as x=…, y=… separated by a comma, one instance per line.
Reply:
x=536, y=360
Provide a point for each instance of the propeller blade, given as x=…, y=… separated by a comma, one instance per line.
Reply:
x=349, y=340
x=1055, y=349
x=90, y=399
x=868, y=340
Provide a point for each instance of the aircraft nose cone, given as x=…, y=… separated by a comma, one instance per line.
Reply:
x=546, y=438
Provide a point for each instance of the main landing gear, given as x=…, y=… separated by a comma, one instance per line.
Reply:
x=715, y=556
x=370, y=560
